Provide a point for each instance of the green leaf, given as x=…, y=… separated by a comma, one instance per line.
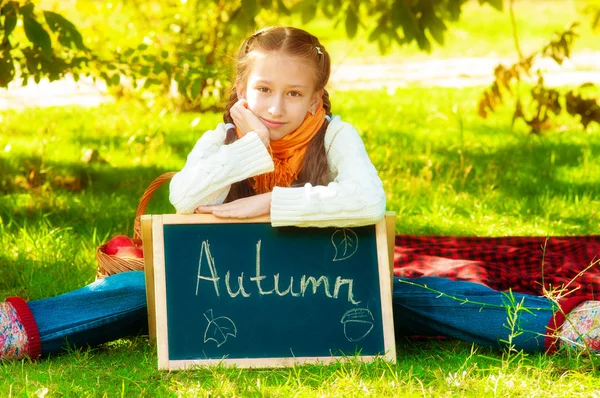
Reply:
x=497, y=4
x=195, y=88
x=10, y=21
x=191, y=57
x=129, y=52
x=168, y=70
x=78, y=61
x=282, y=8
x=309, y=10
x=68, y=35
x=235, y=15
x=164, y=54
x=454, y=9
x=182, y=85
x=38, y=36
x=250, y=8
x=381, y=26
x=151, y=82
x=351, y=23
x=7, y=69
x=423, y=42
x=142, y=47
x=31, y=62
x=596, y=22
x=328, y=11
x=402, y=16
x=158, y=68
x=111, y=67
x=435, y=25
x=375, y=33
x=115, y=79
x=27, y=10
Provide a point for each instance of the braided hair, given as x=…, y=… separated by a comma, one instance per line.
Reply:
x=296, y=43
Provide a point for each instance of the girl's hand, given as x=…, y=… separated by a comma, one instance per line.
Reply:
x=246, y=121
x=253, y=206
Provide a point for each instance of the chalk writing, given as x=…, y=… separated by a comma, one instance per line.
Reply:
x=240, y=286
x=305, y=285
x=205, y=251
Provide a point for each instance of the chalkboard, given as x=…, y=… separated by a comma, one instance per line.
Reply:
x=249, y=294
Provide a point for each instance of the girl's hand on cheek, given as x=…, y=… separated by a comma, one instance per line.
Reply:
x=253, y=206
x=246, y=121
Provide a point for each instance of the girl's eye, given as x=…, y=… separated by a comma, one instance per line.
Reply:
x=295, y=94
x=263, y=89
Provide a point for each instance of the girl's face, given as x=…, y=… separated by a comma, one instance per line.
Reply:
x=280, y=90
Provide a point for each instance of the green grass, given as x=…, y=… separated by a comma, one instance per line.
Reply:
x=127, y=368
x=445, y=171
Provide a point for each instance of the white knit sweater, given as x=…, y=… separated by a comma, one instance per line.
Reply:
x=354, y=196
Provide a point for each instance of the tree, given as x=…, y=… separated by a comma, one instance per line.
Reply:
x=545, y=103
x=196, y=38
x=55, y=45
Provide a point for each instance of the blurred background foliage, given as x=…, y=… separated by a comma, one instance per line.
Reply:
x=180, y=51
x=183, y=48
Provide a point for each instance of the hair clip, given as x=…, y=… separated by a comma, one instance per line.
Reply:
x=328, y=118
x=319, y=50
x=229, y=126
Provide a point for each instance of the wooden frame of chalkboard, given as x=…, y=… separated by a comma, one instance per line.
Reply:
x=199, y=313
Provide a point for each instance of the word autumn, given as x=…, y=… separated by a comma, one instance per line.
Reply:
x=262, y=287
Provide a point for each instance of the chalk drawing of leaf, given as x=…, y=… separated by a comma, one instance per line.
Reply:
x=345, y=242
x=218, y=329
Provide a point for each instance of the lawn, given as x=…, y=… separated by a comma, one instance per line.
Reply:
x=445, y=172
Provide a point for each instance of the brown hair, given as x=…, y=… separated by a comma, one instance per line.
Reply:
x=296, y=43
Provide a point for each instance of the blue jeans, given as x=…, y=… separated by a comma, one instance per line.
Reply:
x=103, y=311
x=471, y=312
x=115, y=307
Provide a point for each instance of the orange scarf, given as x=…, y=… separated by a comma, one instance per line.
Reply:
x=288, y=153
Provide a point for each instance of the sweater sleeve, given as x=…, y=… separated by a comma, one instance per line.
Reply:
x=212, y=167
x=355, y=196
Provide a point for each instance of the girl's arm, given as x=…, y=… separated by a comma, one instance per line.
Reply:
x=212, y=167
x=355, y=196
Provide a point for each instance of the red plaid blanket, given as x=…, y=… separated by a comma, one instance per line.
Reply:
x=518, y=263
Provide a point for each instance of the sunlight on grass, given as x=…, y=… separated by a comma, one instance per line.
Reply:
x=445, y=171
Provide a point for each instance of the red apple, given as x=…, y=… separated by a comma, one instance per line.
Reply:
x=118, y=242
x=130, y=251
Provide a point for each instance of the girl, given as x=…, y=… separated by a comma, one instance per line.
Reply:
x=281, y=152
x=279, y=139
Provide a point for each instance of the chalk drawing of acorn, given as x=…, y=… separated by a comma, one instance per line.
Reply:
x=358, y=323
x=218, y=329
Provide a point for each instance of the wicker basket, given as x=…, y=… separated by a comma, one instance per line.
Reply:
x=109, y=264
